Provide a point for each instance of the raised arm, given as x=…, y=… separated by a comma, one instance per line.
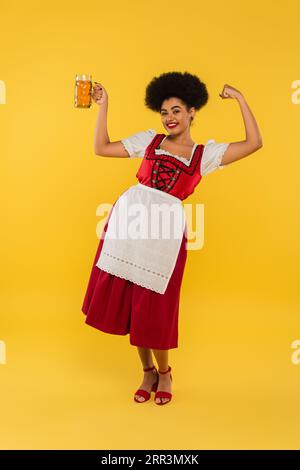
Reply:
x=237, y=150
x=102, y=145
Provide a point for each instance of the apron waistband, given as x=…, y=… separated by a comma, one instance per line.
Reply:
x=166, y=195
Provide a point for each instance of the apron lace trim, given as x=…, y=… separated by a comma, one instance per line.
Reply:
x=136, y=265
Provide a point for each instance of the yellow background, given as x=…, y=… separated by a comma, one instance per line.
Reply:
x=67, y=385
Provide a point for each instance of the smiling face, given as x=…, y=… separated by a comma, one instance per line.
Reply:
x=173, y=110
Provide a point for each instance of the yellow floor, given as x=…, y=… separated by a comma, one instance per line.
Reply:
x=67, y=385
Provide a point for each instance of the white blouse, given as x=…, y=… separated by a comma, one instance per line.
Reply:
x=136, y=145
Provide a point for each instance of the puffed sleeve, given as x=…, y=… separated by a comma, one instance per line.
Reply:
x=212, y=156
x=136, y=144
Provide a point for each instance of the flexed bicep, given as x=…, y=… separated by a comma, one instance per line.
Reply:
x=237, y=150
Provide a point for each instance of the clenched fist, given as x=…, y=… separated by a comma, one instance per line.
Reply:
x=230, y=92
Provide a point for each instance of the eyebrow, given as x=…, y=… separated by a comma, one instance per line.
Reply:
x=176, y=106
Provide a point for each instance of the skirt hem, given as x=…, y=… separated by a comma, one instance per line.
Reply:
x=147, y=346
x=153, y=347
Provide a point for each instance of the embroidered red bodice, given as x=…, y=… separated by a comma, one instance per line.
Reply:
x=167, y=173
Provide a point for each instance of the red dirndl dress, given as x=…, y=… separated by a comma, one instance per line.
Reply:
x=118, y=306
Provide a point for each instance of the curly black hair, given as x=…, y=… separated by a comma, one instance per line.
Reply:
x=185, y=86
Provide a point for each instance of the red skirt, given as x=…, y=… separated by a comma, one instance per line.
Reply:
x=118, y=306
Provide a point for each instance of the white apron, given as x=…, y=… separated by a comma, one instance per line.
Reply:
x=143, y=237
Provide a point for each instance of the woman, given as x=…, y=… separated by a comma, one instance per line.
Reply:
x=135, y=287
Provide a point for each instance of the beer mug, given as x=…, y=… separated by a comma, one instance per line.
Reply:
x=83, y=91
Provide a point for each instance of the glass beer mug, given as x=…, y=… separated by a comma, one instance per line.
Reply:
x=83, y=91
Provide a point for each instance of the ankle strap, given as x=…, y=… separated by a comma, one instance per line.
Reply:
x=166, y=371
x=148, y=368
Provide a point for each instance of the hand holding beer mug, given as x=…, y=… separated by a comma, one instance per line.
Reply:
x=99, y=94
x=85, y=92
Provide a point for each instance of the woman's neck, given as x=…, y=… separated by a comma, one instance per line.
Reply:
x=181, y=139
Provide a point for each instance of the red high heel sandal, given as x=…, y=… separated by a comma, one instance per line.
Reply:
x=144, y=393
x=162, y=393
